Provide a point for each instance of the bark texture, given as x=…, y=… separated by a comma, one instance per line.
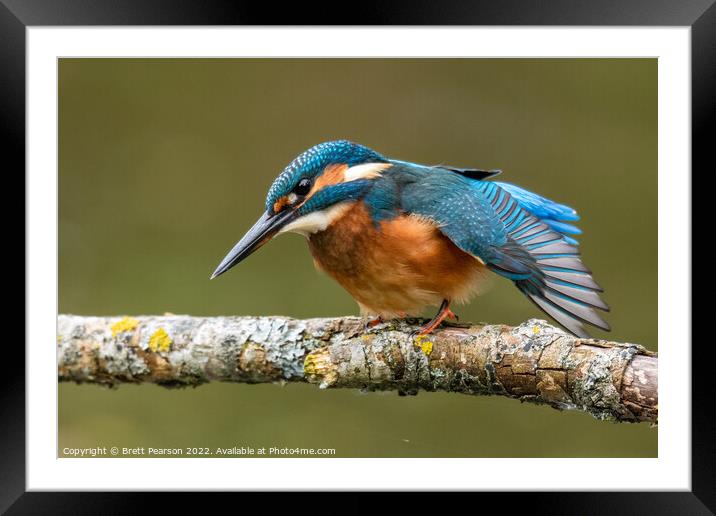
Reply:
x=533, y=362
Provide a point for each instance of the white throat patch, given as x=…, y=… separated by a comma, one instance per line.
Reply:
x=317, y=220
x=320, y=220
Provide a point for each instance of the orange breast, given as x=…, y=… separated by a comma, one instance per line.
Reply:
x=402, y=266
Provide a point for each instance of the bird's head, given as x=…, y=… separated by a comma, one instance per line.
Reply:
x=310, y=193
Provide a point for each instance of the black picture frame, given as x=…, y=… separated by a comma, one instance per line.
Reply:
x=17, y=15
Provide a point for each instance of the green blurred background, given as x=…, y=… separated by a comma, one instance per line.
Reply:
x=164, y=163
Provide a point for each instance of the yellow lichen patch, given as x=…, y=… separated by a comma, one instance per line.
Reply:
x=310, y=366
x=423, y=344
x=124, y=324
x=318, y=368
x=535, y=329
x=160, y=341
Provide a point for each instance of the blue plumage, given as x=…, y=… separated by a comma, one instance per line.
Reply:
x=453, y=202
x=551, y=213
x=313, y=161
x=516, y=233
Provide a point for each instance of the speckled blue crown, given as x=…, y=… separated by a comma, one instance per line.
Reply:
x=313, y=161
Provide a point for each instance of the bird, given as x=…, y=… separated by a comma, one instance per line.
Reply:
x=401, y=236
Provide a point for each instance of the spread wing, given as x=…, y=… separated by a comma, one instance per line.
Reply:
x=518, y=235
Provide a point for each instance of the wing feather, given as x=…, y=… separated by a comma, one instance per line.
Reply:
x=517, y=234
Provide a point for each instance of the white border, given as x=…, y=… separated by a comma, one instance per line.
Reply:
x=670, y=471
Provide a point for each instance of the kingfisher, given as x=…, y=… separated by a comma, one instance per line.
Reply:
x=401, y=236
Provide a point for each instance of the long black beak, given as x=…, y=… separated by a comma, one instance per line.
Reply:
x=261, y=232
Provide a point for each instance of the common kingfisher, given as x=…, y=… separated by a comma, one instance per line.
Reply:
x=400, y=236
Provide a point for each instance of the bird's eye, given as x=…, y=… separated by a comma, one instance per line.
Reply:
x=303, y=187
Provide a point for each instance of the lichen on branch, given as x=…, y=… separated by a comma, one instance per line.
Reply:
x=533, y=362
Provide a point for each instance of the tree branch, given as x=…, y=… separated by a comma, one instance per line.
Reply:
x=533, y=362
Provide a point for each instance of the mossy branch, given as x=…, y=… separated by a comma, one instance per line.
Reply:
x=533, y=362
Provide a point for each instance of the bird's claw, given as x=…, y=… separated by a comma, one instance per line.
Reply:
x=372, y=323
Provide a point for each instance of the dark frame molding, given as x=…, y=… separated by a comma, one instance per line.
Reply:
x=700, y=15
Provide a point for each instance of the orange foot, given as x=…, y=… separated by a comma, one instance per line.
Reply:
x=373, y=322
x=443, y=313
